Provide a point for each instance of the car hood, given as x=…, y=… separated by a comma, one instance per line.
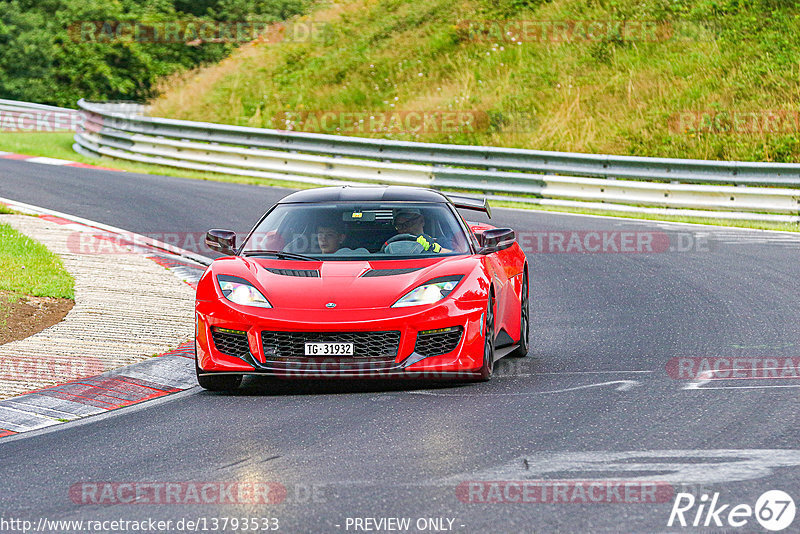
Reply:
x=347, y=284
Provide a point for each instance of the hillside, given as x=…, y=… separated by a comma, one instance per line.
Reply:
x=711, y=79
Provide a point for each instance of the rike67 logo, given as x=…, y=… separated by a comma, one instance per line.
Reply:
x=774, y=510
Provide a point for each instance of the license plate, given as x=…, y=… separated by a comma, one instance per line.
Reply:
x=329, y=349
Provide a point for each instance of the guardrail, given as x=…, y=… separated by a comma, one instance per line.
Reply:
x=26, y=116
x=28, y=106
x=739, y=190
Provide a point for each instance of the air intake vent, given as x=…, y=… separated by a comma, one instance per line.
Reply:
x=436, y=342
x=389, y=272
x=302, y=273
x=231, y=342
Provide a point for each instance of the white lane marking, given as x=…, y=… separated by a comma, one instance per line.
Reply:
x=624, y=385
x=708, y=376
x=703, y=378
x=592, y=372
x=499, y=373
x=49, y=161
x=751, y=387
x=690, y=466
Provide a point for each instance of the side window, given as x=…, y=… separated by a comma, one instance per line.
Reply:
x=468, y=230
x=297, y=233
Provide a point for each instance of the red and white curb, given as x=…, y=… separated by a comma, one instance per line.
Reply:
x=168, y=373
x=42, y=160
x=156, y=377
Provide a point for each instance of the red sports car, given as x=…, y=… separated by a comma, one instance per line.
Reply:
x=362, y=282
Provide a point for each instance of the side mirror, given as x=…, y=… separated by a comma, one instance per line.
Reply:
x=479, y=236
x=222, y=241
x=496, y=239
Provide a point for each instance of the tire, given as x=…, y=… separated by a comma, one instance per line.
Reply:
x=214, y=382
x=524, y=321
x=219, y=382
x=488, y=343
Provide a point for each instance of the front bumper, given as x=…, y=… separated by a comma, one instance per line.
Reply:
x=463, y=362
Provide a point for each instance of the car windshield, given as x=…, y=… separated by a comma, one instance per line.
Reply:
x=358, y=230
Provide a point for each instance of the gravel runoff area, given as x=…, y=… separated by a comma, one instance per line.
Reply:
x=127, y=308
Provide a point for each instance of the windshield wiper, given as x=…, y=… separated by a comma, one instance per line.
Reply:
x=279, y=254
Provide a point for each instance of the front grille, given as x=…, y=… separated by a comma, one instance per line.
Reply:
x=282, y=345
x=231, y=342
x=435, y=343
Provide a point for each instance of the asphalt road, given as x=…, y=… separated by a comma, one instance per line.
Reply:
x=599, y=398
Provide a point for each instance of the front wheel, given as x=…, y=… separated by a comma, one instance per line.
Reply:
x=219, y=382
x=215, y=382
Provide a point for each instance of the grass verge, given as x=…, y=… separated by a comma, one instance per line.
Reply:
x=29, y=268
x=5, y=210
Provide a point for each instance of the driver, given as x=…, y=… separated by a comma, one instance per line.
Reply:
x=330, y=237
x=411, y=221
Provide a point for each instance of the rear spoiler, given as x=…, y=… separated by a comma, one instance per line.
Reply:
x=470, y=203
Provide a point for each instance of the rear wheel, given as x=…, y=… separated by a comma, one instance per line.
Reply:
x=524, y=321
x=488, y=343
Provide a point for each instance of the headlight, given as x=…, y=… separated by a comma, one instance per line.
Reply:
x=429, y=292
x=242, y=292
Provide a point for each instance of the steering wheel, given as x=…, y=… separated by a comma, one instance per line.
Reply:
x=402, y=237
x=398, y=238
x=300, y=244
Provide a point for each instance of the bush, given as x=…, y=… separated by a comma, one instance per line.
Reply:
x=46, y=59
